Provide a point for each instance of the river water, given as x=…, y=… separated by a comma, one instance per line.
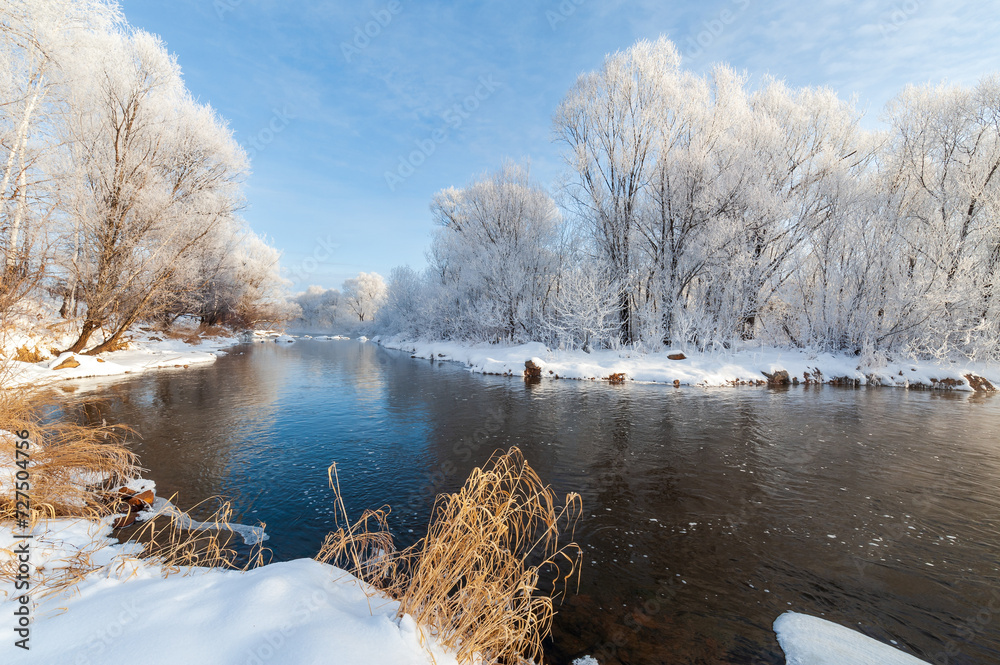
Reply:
x=707, y=512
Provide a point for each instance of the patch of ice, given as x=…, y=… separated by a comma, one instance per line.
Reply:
x=808, y=640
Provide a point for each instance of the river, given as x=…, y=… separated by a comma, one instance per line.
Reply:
x=707, y=512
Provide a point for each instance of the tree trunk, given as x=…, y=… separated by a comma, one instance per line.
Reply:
x=110, y=343
x=88, y=329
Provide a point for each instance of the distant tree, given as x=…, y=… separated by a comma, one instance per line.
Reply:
x=364, y=295
x=495, y=255
x=321, y=309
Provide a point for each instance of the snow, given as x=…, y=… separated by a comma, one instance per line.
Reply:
x=147, y=352
x=295, y=612
x=697, y=369
x=808, y=640
x=121, y=608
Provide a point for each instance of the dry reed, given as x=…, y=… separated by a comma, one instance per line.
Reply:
x=70, y=464
x=71, y=469
x=483, y=578
x=25, y=355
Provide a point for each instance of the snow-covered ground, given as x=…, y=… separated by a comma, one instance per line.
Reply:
x=38, y=329
x=146, y=352
x=123, y=608
x=749, y=366
x=128, y=610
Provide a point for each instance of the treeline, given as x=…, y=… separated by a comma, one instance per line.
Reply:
x=700, y=210
x=338, y=311
x=119, y=193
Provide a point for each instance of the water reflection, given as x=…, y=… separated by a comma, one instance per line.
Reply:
x=707, y=512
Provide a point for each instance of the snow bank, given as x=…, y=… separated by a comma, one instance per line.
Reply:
x=709, y=369
x=809, y=640
x=296, y=612
x=147, y=352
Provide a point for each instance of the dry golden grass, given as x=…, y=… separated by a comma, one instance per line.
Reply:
x=70, y=464
x=26, y=355
x=483, y=578
x=68, y=468
x=71, y=469
x=175, y=546
x=194, y=335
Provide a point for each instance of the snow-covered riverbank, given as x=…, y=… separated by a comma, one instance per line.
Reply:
x=683, y=368
x=147, y=349
x=129, y=610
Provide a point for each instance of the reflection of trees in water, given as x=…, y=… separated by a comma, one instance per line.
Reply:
x=190, y=426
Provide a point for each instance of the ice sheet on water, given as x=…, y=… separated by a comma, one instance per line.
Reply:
x=808, y=640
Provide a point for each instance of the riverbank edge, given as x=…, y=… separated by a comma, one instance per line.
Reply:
x=759, y=366
x=120, y=600
x=145, y=351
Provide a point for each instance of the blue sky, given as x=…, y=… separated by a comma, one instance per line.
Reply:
x=325, y=123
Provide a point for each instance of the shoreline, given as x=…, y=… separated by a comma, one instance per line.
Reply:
x=761, y=366
x=96, y=599
x=146, y=351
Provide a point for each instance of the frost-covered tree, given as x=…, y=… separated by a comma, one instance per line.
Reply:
x=610, y=124
x=408, y=306
x=364, y=295
x=495, y=255
x=945, y=157
x=159, y=174
x=40, y=40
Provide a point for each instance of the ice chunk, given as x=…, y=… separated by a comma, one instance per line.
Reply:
x=809, y=640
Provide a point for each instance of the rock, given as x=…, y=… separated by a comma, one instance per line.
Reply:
x=69, y=363
x=779, y=378
x=532, y=370
x=677, y=383
x=142, y=500
x=677, y=356
x=979, y=384
x=617, y=378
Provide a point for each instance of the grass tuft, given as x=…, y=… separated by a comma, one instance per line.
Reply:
x=69, y=464
x=172, y=543
x=71, y=470
x=25, y=355
x=484, y=578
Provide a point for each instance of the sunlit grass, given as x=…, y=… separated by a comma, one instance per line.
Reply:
x=483, y=579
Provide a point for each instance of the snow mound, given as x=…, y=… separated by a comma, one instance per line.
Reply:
x=808, y=640
x=295, y=612
x=149, y=356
